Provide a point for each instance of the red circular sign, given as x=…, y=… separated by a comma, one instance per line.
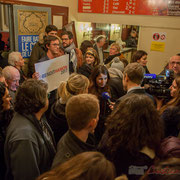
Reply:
x=163, y=37
x=156, y=36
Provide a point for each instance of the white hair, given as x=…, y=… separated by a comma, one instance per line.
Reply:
x=8, y=72
x=98, y=39
x=13, y=57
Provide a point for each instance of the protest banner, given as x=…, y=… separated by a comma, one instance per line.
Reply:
x=53, y=71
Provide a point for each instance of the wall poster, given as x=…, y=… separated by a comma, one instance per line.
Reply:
x=29, y=22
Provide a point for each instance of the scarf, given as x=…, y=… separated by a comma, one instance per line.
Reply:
x=73, y=58
x=110, y=58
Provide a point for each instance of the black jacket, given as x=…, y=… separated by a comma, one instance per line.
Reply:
x=5, y=118
x=134, y=165
x=70, y=145
x=85, y=70
x=171, y=117
x=116, y=88
x=28, y=151
x=57, y=120
x=110, y=58
x=135, y=91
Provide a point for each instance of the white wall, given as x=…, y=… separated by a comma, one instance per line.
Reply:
x=157, y=60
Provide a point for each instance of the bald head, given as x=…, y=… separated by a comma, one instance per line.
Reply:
x=12, y=77
x=174, y=64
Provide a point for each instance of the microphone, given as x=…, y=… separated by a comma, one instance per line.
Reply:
x=106, y=96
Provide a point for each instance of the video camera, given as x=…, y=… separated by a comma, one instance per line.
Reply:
x=158, y=85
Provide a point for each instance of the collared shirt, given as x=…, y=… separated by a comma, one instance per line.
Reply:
x=136, y=87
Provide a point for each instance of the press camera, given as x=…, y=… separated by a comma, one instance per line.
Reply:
x=158, y=85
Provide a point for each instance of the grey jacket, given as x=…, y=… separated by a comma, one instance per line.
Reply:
x=28, y=153
x=70, y=145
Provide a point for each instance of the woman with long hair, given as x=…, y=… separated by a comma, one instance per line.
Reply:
x=76, y=84
x=84, y=166
x=170, y=112
x=134, y=131
x=6, y=114
x=99, y=84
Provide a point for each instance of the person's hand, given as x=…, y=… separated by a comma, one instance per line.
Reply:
x=111, y=105
x=35, y=75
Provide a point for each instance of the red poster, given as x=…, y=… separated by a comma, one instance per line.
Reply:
x=136, y=7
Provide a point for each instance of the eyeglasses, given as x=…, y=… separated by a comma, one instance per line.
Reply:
x=65, y=39
x=173, y=63
x=55, y=45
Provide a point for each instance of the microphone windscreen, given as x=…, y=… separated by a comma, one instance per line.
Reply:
x=105, y=95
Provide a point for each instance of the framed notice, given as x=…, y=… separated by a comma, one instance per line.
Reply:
x=134, y=7
x=29, y=22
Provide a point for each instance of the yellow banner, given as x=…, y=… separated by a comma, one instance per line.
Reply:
x=157, y=46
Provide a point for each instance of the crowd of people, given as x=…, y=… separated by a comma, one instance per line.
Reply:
x=100, y=123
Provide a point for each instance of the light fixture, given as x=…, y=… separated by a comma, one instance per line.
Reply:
x=87, y=31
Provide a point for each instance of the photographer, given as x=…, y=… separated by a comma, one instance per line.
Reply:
x=170, y=112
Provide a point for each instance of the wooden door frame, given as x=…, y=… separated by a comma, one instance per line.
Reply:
x=55, y=10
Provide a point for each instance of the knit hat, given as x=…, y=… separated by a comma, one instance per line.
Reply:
x=114, y=72
x=116, y=63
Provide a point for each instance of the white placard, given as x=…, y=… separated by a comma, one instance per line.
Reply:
x=54, y=71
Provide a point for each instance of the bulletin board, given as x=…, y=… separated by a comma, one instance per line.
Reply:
x=131, y=7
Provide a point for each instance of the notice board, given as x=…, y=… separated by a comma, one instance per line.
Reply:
x=131, y=7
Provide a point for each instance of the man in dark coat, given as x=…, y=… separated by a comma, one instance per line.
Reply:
x=29, y=146
x=39, y=50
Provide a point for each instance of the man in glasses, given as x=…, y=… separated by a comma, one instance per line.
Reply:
x=38, y=50
x=75, y=54
x=52, y=45
x=174, y=63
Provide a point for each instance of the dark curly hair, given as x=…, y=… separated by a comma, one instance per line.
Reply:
x=134, y=124
x=31, y=96
x=50, y=28
x=84, y=45
x=138, y=55
x=2, y=92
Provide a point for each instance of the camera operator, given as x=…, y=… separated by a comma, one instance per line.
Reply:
x=174, y=64
x=170, y=112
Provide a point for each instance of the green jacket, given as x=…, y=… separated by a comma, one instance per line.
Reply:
x=37, y=53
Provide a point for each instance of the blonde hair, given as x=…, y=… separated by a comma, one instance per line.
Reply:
x=116, y=45
x=76, y=84
x=86, y=165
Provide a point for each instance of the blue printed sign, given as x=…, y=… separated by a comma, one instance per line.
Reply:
x=26, y=43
